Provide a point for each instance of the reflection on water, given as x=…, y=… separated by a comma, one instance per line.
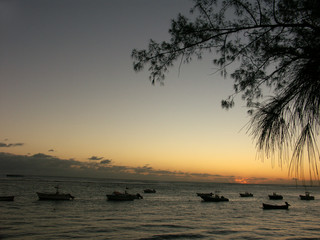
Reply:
x=174, y=211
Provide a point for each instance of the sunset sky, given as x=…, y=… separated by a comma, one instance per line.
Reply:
x=69, y=94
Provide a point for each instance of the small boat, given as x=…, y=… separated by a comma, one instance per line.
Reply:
x=246, y=194
x=214, y=198
x=275, y=196
x=307, y=196
x=149, y=190
x=55, y=196
x=118, y=196
x=6, y=198
x=269, y=206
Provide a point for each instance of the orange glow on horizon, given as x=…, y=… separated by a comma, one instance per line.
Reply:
x=242, y=180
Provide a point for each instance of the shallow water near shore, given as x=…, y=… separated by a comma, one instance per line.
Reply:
x=173, y=212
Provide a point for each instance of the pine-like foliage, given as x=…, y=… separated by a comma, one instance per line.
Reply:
x=273, y=43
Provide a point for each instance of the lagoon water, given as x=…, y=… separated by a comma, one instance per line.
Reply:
x=174, y=212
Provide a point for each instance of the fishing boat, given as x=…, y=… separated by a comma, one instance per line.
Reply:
x=246, y=194
x=270, y=206
x=118, y=196
x=214, y=198
x=6, y=198
x=149, y=190
x=275, y=196
x=55, y=196
x=307, y=196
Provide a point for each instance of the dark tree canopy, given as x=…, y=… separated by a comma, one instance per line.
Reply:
x=265, y=43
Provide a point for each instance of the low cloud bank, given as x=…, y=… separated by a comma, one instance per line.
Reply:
x=43, y=164
x=5, y=145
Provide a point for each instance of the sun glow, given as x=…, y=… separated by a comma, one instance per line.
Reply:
x=242, y=180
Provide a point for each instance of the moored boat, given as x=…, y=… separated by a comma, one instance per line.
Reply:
x=246, y=194
x=118, y=196
x=307, y=196
x=270, y=206
x=6, y=198
x=55, y=196
x=214, y=198
x=275, y=196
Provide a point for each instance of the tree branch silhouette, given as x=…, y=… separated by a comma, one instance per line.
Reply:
x=277, y=45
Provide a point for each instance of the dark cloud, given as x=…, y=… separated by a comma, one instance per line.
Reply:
x=11, y=144
x=106, y=161
x=115, y=169
x=41, y=155
x=43, y=164
x=37, y=164
x=51, y=150
x=95, y=158
x=144, y=169
x=204, y=175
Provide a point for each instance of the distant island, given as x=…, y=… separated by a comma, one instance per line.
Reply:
x=15, y=175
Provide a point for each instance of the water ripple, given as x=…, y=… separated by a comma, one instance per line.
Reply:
x=175, y=236
x=174, y=212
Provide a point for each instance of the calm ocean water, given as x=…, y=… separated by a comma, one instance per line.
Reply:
x=174, y=212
